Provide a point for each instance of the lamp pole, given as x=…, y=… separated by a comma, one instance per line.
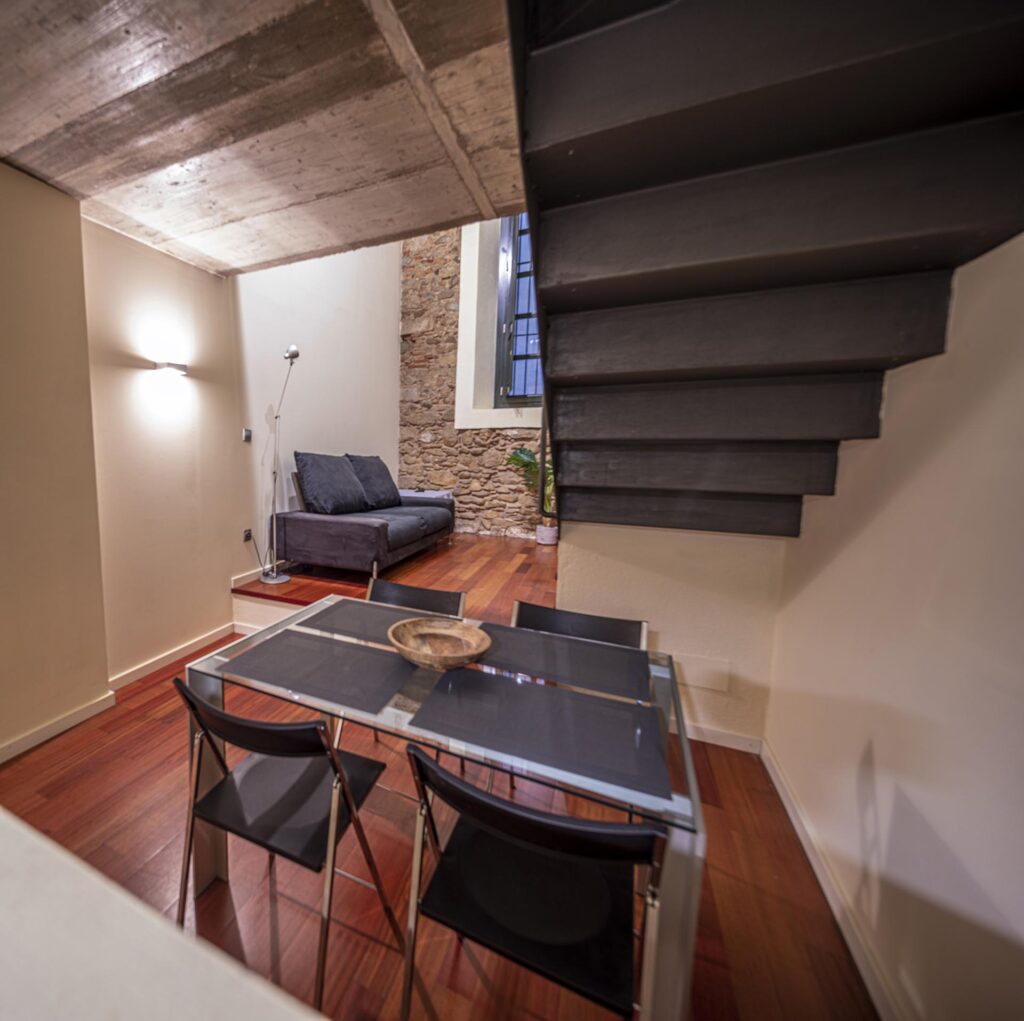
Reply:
x=271, y=575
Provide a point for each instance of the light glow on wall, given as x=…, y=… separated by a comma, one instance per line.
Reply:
x=164, y=397
x=160, y=331
x=165, y=400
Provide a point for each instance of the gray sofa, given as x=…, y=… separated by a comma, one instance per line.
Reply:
x=394, y=525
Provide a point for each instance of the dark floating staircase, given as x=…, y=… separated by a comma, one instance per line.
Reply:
x=745, y=213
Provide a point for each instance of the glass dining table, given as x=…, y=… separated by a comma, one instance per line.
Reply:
x=602, y=722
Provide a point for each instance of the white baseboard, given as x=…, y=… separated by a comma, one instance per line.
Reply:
x=725, y=738
x=141, y=669
x=252, y=613
x=242, y=579
x=31, y=738
x=879, y=988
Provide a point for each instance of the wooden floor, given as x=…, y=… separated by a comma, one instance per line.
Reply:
x=113, y=791
x=493, y=571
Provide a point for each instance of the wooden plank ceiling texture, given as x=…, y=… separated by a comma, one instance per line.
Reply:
x=247, y=133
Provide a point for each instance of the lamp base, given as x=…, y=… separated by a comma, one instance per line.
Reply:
x=267, y=578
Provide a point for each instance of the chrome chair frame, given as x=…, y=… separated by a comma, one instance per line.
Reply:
x=426, y=832
x=340, y=788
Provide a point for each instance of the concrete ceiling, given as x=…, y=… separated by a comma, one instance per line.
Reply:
x=246, y=133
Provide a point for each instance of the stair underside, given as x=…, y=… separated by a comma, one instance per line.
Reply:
x=777, y=468
x=840, y=406
x=713, y=512
x=931, y=200
x=851, y=326
x=743, y=216
x=612, y=111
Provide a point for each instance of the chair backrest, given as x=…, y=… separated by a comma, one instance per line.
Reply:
x=639, y=844
x=580, y=625
x=304, y=740
x=431, y=600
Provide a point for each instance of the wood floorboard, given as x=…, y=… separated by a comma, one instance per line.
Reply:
x=493, y=571
x=113, y=791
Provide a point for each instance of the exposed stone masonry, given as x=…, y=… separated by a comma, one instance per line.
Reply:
x=489, y=497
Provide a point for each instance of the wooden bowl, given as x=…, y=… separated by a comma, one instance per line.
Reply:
x=438, y=643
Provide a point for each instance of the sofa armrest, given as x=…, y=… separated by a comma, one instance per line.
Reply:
x=332, y=540
x=428, y=498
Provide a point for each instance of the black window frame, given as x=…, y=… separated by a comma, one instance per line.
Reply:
x=510, y=281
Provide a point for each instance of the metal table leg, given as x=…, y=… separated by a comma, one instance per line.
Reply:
x=210, y=846
x=677, y=925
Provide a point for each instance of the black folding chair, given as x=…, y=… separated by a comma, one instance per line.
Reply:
x=295, y=794
x=553, y=894
x=615, y=630
x=429, y=600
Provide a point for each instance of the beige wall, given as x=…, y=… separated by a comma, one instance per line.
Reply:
x=710, y=599
x=51, y=610
x=171, y=467
x=343, y=312
x=897, y=707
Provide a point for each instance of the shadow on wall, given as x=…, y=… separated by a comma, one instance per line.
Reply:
x=930, y=408
x=923, y=942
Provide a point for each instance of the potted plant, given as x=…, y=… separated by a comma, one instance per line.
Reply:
x=525, y=461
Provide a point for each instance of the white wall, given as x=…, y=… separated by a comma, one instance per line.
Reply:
x=344, y=313
x=897, y=708
x=54, y=668
x=710, y=600
x=172, y=472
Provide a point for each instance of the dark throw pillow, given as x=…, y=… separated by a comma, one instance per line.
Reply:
x=329, y=484
x=376, y=480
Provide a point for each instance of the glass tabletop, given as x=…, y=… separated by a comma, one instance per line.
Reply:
x=603, y=720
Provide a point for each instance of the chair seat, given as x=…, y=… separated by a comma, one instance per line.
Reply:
x=567, y=919
x=284, y=804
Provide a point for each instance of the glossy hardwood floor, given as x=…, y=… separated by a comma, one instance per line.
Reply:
x=493, y=571
x=113, y=791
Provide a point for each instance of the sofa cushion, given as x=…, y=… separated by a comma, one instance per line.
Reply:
x=406, y=524
x=431, y=519
x=376, y=480
x=401, y=530
x=329, y=484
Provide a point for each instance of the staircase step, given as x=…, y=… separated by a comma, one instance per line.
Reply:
x=557, y=20
x=781, y=468
x=931, y=200
x=711, y=512
x=696, y=88
x=830, y=407
x=855, y=325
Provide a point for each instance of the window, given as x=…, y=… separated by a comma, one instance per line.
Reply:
x=518, y=379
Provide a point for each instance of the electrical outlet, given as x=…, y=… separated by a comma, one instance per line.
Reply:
x=247, y=535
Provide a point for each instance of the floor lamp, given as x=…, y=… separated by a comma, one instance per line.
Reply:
x=271, y=575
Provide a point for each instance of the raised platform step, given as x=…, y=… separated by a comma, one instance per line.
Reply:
x=857, y=325
x=931, y=200
x=778, y=468
x=711, y=512
x=832, y=407
x=697, y=88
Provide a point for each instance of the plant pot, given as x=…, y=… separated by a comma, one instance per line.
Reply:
x=547, y=535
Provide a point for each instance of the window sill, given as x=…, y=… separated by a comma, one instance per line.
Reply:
x=498, y=418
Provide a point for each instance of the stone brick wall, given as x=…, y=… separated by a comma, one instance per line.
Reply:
x=489, y=497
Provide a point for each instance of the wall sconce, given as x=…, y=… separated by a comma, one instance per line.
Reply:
x=177, y=368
